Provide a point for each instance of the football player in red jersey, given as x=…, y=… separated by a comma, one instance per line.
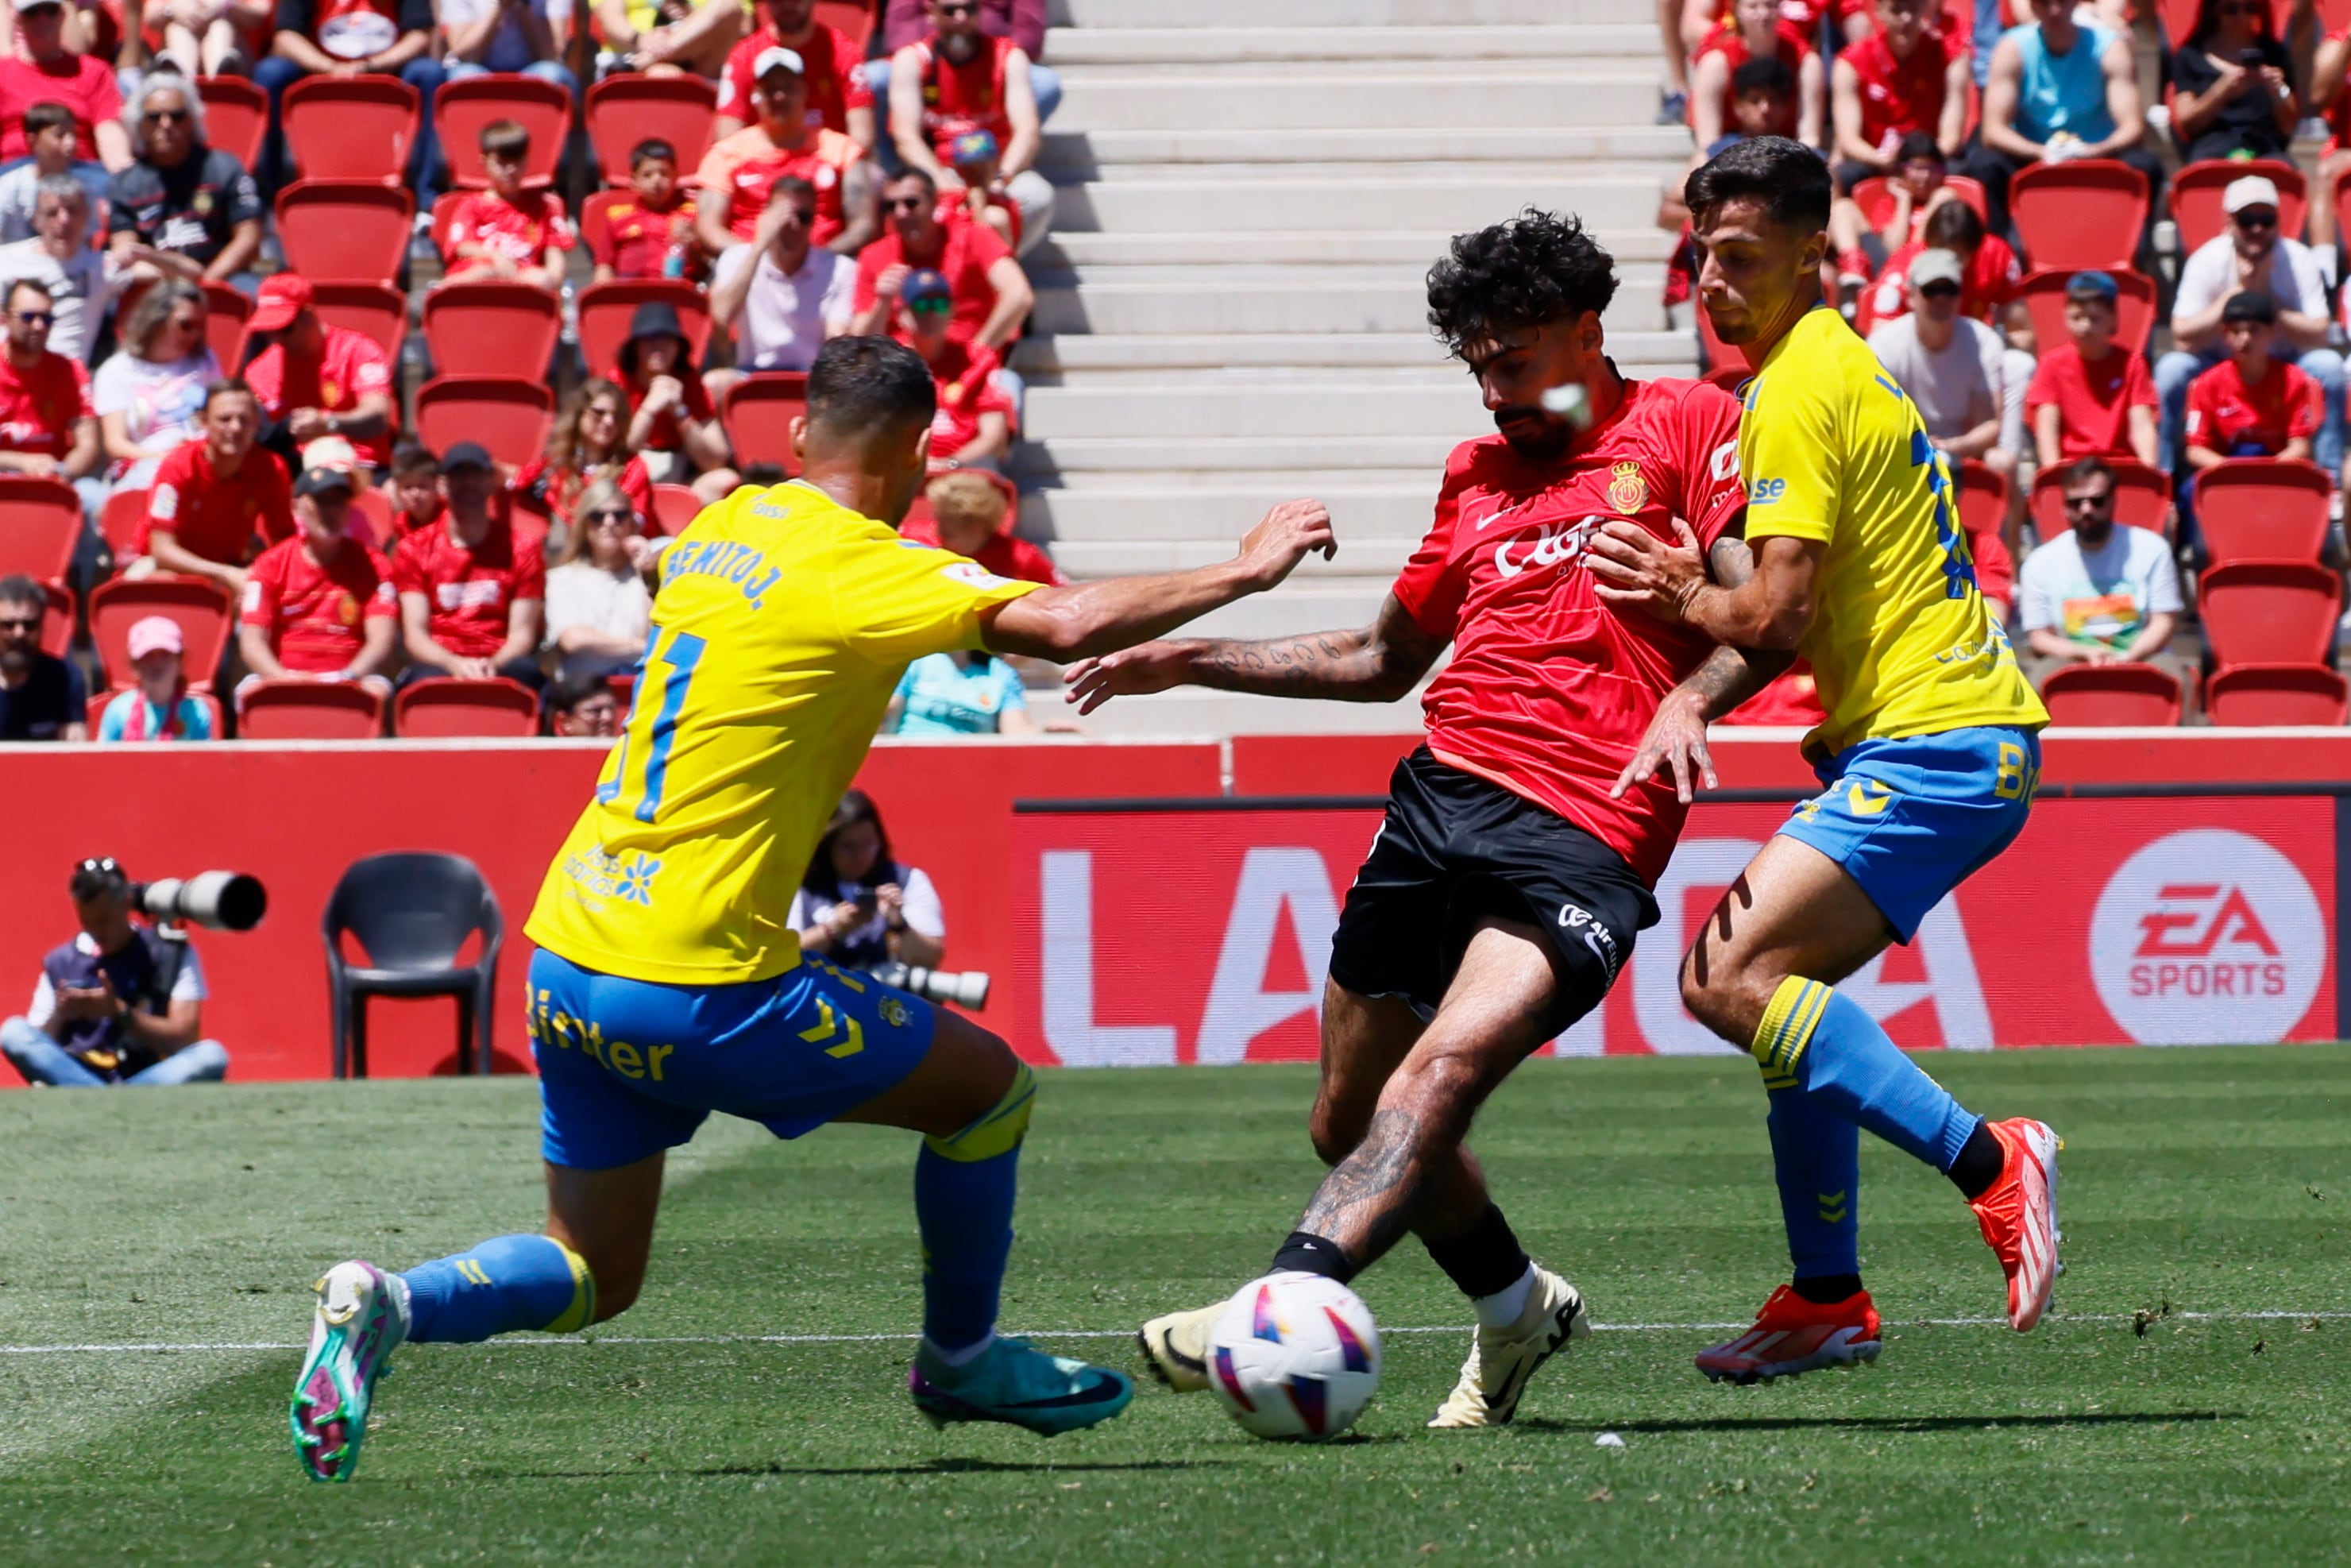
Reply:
x=1505, y=890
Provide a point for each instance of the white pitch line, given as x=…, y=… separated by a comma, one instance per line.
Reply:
x=568, y=1340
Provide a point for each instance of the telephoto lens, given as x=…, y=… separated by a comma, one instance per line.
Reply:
x=968, y=989
x=223, y=900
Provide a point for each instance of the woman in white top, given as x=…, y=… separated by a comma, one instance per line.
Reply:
x=858, y=906
x=149, y=396
x=599, y=606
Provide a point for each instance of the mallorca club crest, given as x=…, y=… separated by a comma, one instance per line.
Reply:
x=1628, y=492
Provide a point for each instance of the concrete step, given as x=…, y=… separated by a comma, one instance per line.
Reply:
x=1357, y=558
x=1198, y=509
x=1416, y=247
x=1587, y=94
x=1651, y=175
x=1336, y=16
x=1321, y=407
x=1069, y=153
x=1046, y=462
x=1296, y=608
x=1396, y=304
x=1194, y=365
x=1084, y=49
x=1372, y=202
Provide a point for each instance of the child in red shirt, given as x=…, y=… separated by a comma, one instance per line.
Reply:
x=507, y=231
x=649, y=233
x=2090, y=397
x=2250, y=405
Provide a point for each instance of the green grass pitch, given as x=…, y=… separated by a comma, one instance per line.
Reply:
x=2205, y=1190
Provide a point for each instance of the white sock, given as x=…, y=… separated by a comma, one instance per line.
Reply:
x=962, y=1357
x=1505, y=1306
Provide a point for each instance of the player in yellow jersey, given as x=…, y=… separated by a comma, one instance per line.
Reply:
x=1929, y=755
x=669, y=983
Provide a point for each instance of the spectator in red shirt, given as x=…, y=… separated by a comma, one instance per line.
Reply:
x=992, y=297
x=353, y=37
x=957, y=80
x=739, y=172
x=470, y=592
x=1992, y=271
x=1756, y=33
x=585, y=449
x=41, y=69
x=211, y=496
x=2249, y=404
x=319, y=606
x=671, y=422
x=651, y=233
x=2089, y=397
x=1906, y=76
x=47, y=428
x=838, y=97
x=971, y=514
x=414, y=492
x=315, y=379
x=508, y=232
x=976, y=417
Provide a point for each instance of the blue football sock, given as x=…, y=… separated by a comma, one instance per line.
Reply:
x=505, y=1283
x=1816, y=1157
x=963, y=1190
x=1813, y=1039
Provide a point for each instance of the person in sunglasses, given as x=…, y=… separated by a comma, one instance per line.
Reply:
x=182, y=209
x=920, y=233
x=2097, y=594
x=780, y=297
x=960, y=79
x=598, y=603
x=42, y=697
x=977, y=416
x=47, y=428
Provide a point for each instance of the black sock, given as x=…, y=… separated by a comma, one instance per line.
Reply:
x=1980, y=1164
x=1305, y=1252
x=1828, y=1289
x=1486, y=1260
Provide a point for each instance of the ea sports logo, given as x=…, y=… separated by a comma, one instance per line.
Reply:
x=2207, y=937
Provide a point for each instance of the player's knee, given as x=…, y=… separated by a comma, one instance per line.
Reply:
x=999, y=1129
x=1335, y=1129
x=1726, y=1000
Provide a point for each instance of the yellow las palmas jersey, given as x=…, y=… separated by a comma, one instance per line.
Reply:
x=783, y=623
x=1901, y=643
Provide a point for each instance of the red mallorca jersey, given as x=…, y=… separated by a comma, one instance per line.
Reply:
x=213, y=517
x=1549, y=690
x=967, y=96
x=311, y=613
x=1899, y=96
x=1006, y=555
x=2226, y=417
x=351, y=366
x=521, y=230
x=636, y=239
x=470, y=592
x=834, y=73
x=746, y=166
x=40, y=407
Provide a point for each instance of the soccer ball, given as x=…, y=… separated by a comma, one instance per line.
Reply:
x=1295, y=1355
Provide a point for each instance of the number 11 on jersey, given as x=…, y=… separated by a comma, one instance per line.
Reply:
x=652, y=718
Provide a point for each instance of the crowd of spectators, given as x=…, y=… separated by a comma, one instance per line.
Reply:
x=1928, y=111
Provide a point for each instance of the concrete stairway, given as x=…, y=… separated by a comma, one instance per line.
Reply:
x=1230, y=309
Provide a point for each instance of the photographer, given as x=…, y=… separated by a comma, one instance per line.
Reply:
x=858, y=908
x=121, y=1003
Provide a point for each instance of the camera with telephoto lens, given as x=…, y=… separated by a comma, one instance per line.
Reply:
x=968, y=989
x=222, y=900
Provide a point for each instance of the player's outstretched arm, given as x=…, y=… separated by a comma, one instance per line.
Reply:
x=1083, y=619
x=1771, y=609
x=1378, y=663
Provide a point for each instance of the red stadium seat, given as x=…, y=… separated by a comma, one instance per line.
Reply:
x=439, y=707
x=2263, y=508
x=200, y=606
x=2196, y=190
x=1719, y=355
x=757, y=412
x=675, y=505
x=375, y=310
x=595, y=220
x=1983, y=498
x=506, y=414
x=605, y=308
x=461, y=108
x=2087, y=213
x=41, y=522
x=351, y=128
x=623, y=110
x=2246, y=694
x=2044, y=294
x=226, y=311
x=375, y=508
x=57, y=622
x=97, y=710
x=2142, y=499
x=491, y=328
x=2109, y=697
x=853, y=18
x=345, y=231
x=236, y=117
x=1875, y=197
x=120, y=519
x=2269, y=612
x=309, y=710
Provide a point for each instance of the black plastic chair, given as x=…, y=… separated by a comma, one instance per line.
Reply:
x=411, y=911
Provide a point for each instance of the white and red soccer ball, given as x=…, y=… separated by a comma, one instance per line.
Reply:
x=1295, y=1355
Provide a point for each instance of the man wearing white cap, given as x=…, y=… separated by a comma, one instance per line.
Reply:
x=1950, y=366
x=740, y=172
x=2252, y=255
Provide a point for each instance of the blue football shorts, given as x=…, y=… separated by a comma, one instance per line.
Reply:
x=1910, y=819
x=630, y=1067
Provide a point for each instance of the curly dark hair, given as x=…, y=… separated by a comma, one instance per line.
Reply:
x=1533, y=270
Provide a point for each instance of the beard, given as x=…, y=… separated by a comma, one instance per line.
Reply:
x=959, y=46
x=16, y=663
x=1534, y=434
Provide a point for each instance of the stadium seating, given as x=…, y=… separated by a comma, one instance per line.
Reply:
x=2087, y=213
x=1875, y=197
x=604, y=310
x=40, y=521
x=854, y=19
x=2269, y=612
x=1983, y=497
x=411, y=914
x=675, y=505
x=2111, y=696
x=226, y=313
x=309, y=710
x=236, y=117
x=57, y=622
x=623, y=110
x=97, y=709
x=491, y=328
x=375, y=310
x=2043, y=293
x=508, y=415
x=2142, y=499
x=438, y=708
x=120, y=519
x=199, y=607
x=461, y=108
x=2196, y=190
x=2275, y=694
x=345, y=231
x=351, y=128
x=2253, y=509
x=757, y=412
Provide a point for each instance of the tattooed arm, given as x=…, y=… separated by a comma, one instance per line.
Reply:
x=1378, y=663
x=1677, y=735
